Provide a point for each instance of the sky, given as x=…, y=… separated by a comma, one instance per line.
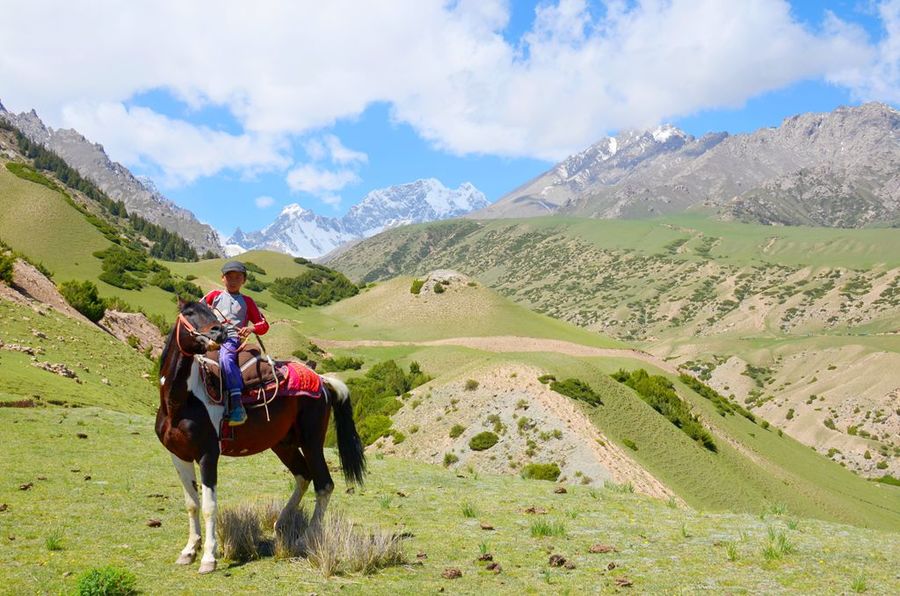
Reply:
x=236, y=109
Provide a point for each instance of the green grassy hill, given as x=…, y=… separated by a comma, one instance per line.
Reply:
x=94, y=496
x=756, y=467
x=769, y=315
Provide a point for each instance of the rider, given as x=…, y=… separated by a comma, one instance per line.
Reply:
x=241, y=318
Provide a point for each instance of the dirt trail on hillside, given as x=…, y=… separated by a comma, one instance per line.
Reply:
x=508, y=343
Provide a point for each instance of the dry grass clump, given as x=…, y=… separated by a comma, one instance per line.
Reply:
x=335, y=548
x=290, y=538
x=240, y=532
x=338, y=548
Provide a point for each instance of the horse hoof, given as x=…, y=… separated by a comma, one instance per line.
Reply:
x=207, y=567
x=185, y=559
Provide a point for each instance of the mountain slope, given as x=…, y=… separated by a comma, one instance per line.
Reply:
x=301, y=232
x=839, y=169
x=91, y=161
x=772, y=316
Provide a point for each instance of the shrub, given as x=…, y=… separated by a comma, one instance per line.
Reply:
x=6, y=268
x=630, y=444
x=373, y=428
x=882, y=465
x=83, y=297
x=829, y=423
x=107, y=581
x=116, y=303
x=416, y=286
x=339, y=363
x=888, y=479
x=483, y=440
x=659, y=393
x=471, y=385
x=577, y=389
x=541, y=472
x=456, y=430
x=439, y=288
x=317, y=286
x=450, y=459
x=300, y=355
x=546, y=378
x=254, y=268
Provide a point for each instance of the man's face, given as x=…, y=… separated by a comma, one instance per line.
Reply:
x=233, y=281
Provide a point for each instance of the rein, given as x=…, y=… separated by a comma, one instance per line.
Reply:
x=191, y=330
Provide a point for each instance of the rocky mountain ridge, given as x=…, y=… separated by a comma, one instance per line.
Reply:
x=139, y=195
x=302, y=232
x=837, y=169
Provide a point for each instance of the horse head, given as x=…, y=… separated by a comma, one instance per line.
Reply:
x=197, y=329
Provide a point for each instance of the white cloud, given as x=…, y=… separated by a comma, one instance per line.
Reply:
x=880, y=78
x=318, y=181
x=444, y=67
x=264, y=202
x=182, y=151
x=341, y=154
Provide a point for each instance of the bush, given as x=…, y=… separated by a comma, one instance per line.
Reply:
x=541, y=472
x=471, y=385
x=450, y=459
x=630, y=444
x=544, y=379
x=577, y=389
x=107, y=581
x=83, y=297
x=317, y=286
x=6, y=268
x=888, y=479
x=483, y=440
x=659, y=393
x=457, y=430
x=254, y=268
x=341, y=363
x=416, y=286
x=438, y=288
x=373, y=428
x=300, y=355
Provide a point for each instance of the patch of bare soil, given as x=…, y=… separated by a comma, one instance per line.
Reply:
x=124, y=325
x=533, y=423
x=33, y=284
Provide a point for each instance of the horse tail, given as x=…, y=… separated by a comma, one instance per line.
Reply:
x=350, y=447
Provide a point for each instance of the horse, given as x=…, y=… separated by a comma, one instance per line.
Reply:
x=188, y=423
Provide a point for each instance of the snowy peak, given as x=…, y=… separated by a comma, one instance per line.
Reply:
x=302, y=232
x=415, y=202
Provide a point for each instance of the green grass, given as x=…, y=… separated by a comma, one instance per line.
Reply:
x=132, y=480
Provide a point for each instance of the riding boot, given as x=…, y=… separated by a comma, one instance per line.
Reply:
x=237, y=415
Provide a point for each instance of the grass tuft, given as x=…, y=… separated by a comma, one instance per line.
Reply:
x=546, y=528
x=53, y=542
x=468, y=510
x=240, y=532
x=338, y=548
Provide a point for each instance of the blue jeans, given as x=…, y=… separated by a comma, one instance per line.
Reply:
x=228, y=365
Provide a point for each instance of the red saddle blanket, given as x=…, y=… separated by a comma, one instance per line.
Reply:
x=299, y=381
x=291, y=379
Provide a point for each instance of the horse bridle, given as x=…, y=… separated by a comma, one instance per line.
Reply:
x=182, y=322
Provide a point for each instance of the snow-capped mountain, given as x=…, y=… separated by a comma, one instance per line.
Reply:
x=840, y=168
x=301, y=232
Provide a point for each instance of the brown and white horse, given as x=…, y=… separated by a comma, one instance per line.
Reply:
x=188, y=424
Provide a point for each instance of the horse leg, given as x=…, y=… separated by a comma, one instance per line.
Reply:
x=312, y=445
x=294, y=461
x=192, y=502
x=208, y=472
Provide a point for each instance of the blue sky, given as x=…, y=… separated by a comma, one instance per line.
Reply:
x=285, y=107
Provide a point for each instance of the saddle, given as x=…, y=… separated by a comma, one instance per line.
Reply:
x=264, y=378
